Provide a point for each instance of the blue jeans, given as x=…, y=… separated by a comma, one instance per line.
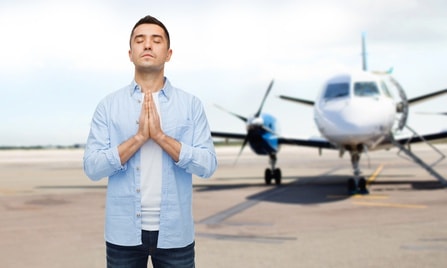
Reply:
x=138, y=256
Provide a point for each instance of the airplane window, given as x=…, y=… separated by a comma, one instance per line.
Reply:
x=386, y=90
x=366, y=89
x=336, y=90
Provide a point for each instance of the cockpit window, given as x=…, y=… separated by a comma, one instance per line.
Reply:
x=386, y=90
x=366, y=89
x=336, y=90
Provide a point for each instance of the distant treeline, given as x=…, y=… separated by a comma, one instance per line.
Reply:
x=80, y=146
x=42, y=147
x=227, y=143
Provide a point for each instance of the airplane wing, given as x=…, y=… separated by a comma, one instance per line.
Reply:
x=433, y=137
x=228, y=135
x=316, y=143
x=427, y=97
x=440, y=113
x=440, y=137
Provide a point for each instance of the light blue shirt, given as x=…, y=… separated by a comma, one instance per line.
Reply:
x=115, y=121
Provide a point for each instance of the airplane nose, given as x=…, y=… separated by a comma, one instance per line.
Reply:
x=362, y=113
x=358, y=119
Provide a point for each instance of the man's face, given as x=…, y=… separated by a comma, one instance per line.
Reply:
x=149, y=47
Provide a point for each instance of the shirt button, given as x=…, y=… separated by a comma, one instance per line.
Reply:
x=137, y=122
x=138, y=190
x=138, y=214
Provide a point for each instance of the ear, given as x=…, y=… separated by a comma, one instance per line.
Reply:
x=168, y=55
x=130, y=55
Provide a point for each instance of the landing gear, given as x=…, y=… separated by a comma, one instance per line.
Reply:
x=269, y=175
x=352, y=187
x=362, y=186
x=356, y=185
x=272, y=173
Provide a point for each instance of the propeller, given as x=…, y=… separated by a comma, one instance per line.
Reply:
x=245, y=119
x=257, y=114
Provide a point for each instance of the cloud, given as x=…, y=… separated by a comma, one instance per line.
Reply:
x=82, y=36
x=65, y=56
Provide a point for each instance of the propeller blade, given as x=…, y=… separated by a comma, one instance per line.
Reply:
x=265, y=97
x=234, y=114
x=242, y=148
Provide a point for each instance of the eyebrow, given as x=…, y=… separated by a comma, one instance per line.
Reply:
x=143, y=35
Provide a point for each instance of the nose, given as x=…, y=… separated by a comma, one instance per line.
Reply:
x=148, y=45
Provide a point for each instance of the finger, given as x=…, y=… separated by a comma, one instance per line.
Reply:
x=152, y=108
x=147, y=103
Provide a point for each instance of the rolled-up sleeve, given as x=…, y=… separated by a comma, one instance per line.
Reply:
x=199, y=158
x=199, y=161
x=100, y=158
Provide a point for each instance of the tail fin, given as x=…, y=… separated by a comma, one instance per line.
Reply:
x=364, y=64
x=364, y=56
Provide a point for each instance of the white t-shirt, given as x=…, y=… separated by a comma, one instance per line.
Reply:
x=151, y=177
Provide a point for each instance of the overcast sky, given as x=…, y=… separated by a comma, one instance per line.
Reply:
x=58, y=59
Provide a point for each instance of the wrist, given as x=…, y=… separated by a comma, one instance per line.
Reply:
x=160, y=138
x=139, y=139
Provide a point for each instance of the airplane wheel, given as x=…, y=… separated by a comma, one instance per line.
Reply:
x=352, y=187
x=277, y=176
x=362, y=186
x=268, y=176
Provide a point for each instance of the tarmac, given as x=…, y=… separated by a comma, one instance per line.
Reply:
x=52, y=215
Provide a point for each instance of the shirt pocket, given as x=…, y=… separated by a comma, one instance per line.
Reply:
x=182, y=132
x=121, y=207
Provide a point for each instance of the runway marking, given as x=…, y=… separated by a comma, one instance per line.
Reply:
x=249, y=238
x=223, y=215
x=373, y=177
x=391, y=205
x=370, y=180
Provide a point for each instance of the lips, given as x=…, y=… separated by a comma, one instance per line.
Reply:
x=147, y=55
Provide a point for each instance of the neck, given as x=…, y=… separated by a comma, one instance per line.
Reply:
x=151, y=82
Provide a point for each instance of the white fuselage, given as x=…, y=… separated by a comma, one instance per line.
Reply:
x=355, y=110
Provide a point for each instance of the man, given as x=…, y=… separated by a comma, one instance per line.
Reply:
x=149, y=138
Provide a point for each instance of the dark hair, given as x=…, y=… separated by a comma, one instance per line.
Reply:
x=151, y=20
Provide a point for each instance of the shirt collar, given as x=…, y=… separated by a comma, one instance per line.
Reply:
x=166, y=90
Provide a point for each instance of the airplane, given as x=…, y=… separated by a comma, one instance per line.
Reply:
x=262, y=137
x=356, y=112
